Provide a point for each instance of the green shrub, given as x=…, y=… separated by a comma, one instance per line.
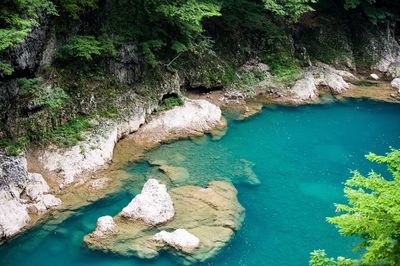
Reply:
x=68, y=134
x=86, y=48
x=41, y=94
x=170, y=102
x=283, y=66
x=14, y=149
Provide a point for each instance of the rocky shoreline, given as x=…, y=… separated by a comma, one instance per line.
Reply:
x=72, y=171
x=69, y=168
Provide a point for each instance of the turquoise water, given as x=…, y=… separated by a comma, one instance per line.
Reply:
x=301, y=156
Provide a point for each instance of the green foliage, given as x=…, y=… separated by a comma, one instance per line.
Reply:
x=14, y=149
x=41, y=94
x=245, y=80
x=284, y=66
x=86, y=48
x=289, y=8
x=373, y=212
x=187, y=15
x=17, y=17
x=318, y=258
x=376, y=13
x=68, y=134
x=75, y=7
x=170, y=102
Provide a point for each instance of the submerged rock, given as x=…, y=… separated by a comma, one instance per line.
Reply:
x=179, y=239
x=153, y=205
x=210, y=214
x=175, y=174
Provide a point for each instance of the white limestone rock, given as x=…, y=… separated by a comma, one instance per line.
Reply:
x=105, y=225
x=374, y=76
x=153, y=205
x=396, y=83
x=336, y=82
x=13, y=215
x=305, y=89
x=180, y=239
x=38, y=192
x=50, y=201
x=36, y=187
x=194, y=117
x=394, y=69
x=97, y=148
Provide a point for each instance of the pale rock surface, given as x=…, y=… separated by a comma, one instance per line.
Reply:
x=36, y=187
x=153, y=205
x=396, y=83
x=13, y=214
x=385, y=50
x=96, y=150
x=394, y=69
x=20, y=193
x=180, y=239
x=38, y=192
x=305, y=89
x=105, y=225
x=374, y=76
x=194, y=117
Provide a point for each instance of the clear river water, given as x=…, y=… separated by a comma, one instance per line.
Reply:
x=301, y=156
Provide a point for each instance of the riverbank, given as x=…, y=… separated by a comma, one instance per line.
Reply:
x=301, y=156
x=83, y=173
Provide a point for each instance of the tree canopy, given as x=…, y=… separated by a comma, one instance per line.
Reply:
x=372, y=214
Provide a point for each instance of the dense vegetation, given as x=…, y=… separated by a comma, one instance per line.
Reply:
x=161, y=28
x=205, y=41
x=372, y=214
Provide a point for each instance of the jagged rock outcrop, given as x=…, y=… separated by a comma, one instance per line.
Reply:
x=125, y=66
x=153, y=205
x=13, y=214
x=98, y=147
x=394, y=68
x=20, y=194
x=180, y=239
x=194, y=117
x=306, y=89
x=384, y=50
x=211, y=215
x=37, y=191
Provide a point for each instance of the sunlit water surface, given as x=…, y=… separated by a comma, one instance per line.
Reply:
x=301, y=155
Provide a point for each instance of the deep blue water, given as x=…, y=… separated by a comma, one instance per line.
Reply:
x=301, y=155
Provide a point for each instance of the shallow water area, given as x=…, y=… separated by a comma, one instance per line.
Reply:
x=287, y=163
